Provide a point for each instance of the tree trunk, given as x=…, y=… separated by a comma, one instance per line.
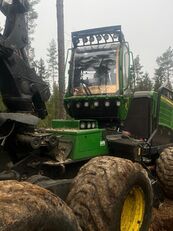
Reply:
x=61, y=58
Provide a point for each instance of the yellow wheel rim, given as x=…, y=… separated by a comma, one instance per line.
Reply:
x=133, y=210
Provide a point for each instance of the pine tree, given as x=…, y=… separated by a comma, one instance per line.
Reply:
x=52, y=63
x=143, y=81
x=31, y=21
x=164, y=72
x=41, y=70
x=52, y=108
x=159, y=78
x=138, y=72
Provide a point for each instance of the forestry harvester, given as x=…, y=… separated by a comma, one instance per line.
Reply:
x=105, y=167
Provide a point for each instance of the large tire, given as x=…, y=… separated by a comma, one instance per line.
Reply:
x=27, y=207
x=164, y=170
x=109, y=194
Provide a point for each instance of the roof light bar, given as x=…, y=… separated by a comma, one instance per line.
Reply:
x=97, y=36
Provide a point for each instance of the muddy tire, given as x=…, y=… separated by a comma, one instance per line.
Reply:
x=28, y=207
x=109, y=194
x=164, y=170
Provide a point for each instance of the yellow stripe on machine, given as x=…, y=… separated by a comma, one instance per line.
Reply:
x=166, y=100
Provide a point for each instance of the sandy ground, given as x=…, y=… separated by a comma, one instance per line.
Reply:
x=163, y=217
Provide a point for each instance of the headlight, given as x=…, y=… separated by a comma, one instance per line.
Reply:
x=89, y=125
x=82, y=125
x=93, y=125
x=78, y=105
x=107, y=104
x=86, y=104
x=99, y=38
x=106, y=37
x=85, y=40
x=96, y=104
x=92, y=39
x=118, y=103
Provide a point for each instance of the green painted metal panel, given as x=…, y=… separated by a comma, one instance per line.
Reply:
x=74, y=124
x=166, y=112
x=66, y=123
x=86, y=143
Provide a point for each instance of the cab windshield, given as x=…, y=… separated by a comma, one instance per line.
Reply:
x=96, y=70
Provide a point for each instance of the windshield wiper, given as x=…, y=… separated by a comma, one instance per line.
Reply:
x=85, y=87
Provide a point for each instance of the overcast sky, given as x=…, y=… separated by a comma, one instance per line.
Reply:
x=146, y=24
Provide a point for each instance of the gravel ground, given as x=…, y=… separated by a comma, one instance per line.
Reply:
x=163, y=217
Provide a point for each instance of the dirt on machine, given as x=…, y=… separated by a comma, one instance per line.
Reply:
x=104, y=169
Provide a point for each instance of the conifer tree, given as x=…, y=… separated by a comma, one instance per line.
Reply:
x=52, y=60
x=164, y=72
x=41, y=70
x=31, y=23
x=143, y=81
x=52, y=108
